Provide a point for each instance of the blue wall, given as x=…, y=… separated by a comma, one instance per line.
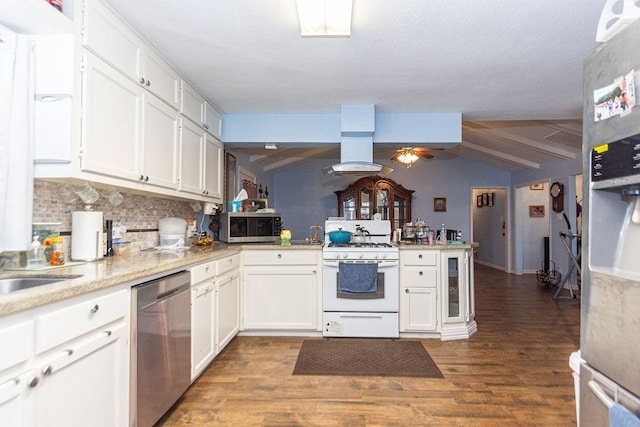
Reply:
x=305, y=196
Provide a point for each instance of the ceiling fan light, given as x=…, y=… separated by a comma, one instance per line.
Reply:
x=408, y=157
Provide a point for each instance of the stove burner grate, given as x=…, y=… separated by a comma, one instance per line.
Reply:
x=360, y=245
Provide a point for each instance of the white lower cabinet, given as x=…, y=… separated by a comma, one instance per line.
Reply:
x=227, y=308
x=281, y=290
x=203, y=339
x=418, y=291
x=215, y=309
x=419, y=309
x=78, y=369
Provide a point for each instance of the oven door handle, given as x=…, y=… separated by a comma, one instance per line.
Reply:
x=367, y=315
x=381, y=264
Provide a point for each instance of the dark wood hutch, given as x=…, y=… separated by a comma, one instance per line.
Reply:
x=376, y=195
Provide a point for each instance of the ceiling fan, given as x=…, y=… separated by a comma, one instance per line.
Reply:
x=409, y=155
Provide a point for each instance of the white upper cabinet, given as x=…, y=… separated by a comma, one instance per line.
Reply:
x=191, y=148
x=212, y=120
x=213, y=165
x=197, y=108
x=110, y=38
x=161, y=78
x=191, y=103
x=113, y=40
x=111, y=121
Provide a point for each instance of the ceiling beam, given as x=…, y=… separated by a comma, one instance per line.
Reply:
x=500, y=155
x=540, y=146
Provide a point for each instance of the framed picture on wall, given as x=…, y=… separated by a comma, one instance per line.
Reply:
x=491, y=199
x=439, y=204
x=479, y=203
x=485, y=199
x=230, y=178
x=536, y=211
x=539, y=186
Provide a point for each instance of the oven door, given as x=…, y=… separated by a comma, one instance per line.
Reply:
x=385, y=299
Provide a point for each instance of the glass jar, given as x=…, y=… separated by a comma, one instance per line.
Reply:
x=57, y=251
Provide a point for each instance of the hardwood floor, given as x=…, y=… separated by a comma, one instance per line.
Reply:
x=513, y=372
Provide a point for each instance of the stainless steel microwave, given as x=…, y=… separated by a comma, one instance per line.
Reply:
x=247, y=227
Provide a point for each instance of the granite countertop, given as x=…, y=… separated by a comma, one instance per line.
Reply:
x=107, y=272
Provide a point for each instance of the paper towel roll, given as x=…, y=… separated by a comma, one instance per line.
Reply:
x=86, y=236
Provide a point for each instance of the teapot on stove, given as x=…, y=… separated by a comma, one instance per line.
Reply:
x=360, y=236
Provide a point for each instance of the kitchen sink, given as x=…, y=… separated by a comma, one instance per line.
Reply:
x=24, y=282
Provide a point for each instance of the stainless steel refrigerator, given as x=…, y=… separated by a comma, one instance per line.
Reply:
x=610, y=322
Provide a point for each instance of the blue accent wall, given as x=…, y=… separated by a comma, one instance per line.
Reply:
x=305, y=196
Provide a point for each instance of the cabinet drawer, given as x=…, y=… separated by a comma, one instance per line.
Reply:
x=200, y=272
x=417, y=276
x=65, y=324
x=227, y=264
x=17, y=344
x=283, y=257
x=419, y=257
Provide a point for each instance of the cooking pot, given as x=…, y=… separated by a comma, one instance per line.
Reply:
x=340, y=236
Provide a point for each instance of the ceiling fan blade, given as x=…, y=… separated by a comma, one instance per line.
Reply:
x=428, y=149
x=424, y=155
x=395, y=156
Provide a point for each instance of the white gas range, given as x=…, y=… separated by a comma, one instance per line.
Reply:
x=367, y=307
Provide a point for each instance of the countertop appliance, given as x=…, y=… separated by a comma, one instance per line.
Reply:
x=250, y=227
x=161, y=346
x=368, y=312
x=610, y=319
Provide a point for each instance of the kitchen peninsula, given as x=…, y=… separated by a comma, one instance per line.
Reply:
x=69, y=329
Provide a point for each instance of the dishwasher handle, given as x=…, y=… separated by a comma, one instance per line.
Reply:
x=155, y=291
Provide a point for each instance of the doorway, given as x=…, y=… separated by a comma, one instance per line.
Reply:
x=489, y=226
x=532, y=224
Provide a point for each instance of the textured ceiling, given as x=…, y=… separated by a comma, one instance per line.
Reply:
x=491, y=60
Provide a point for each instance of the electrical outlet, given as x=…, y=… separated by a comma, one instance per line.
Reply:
x=118, y=231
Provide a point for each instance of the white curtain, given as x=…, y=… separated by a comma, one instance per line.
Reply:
x=16, y=140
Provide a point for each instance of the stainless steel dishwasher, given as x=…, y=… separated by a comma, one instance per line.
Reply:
x=161, y=346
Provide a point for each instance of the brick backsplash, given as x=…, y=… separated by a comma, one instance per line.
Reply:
x=138, y=213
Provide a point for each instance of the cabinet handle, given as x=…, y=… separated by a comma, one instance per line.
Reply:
x=279, y=255
x=420, y=273
x=69, y=352
x=313, y=272
x=141, y=80
x=206, y=126
x=406, y=291
x=148, y=83
x=34, y=382
x=47, y=371
x=108, y=333
x=94, y=309
x=146, y=178
x=141, y=178
x=420, y=256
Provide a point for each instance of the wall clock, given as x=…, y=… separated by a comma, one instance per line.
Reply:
x=557, y=197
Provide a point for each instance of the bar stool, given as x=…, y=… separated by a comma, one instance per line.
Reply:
x=567, y=241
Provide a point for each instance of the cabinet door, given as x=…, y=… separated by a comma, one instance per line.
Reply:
x=453, y=286
x=160, y=143
x=227, y=309
x=161, y=78
x=280, y=298
x=212, y=120
x=17, y=400
x=92, y=375
x=202, y=324
x=111, y=121
x=191, y=148
x=418, y=310
x=213, y=169
x=191, y=103
x=109, y=37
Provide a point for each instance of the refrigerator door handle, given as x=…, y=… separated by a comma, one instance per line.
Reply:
x=600, y=394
